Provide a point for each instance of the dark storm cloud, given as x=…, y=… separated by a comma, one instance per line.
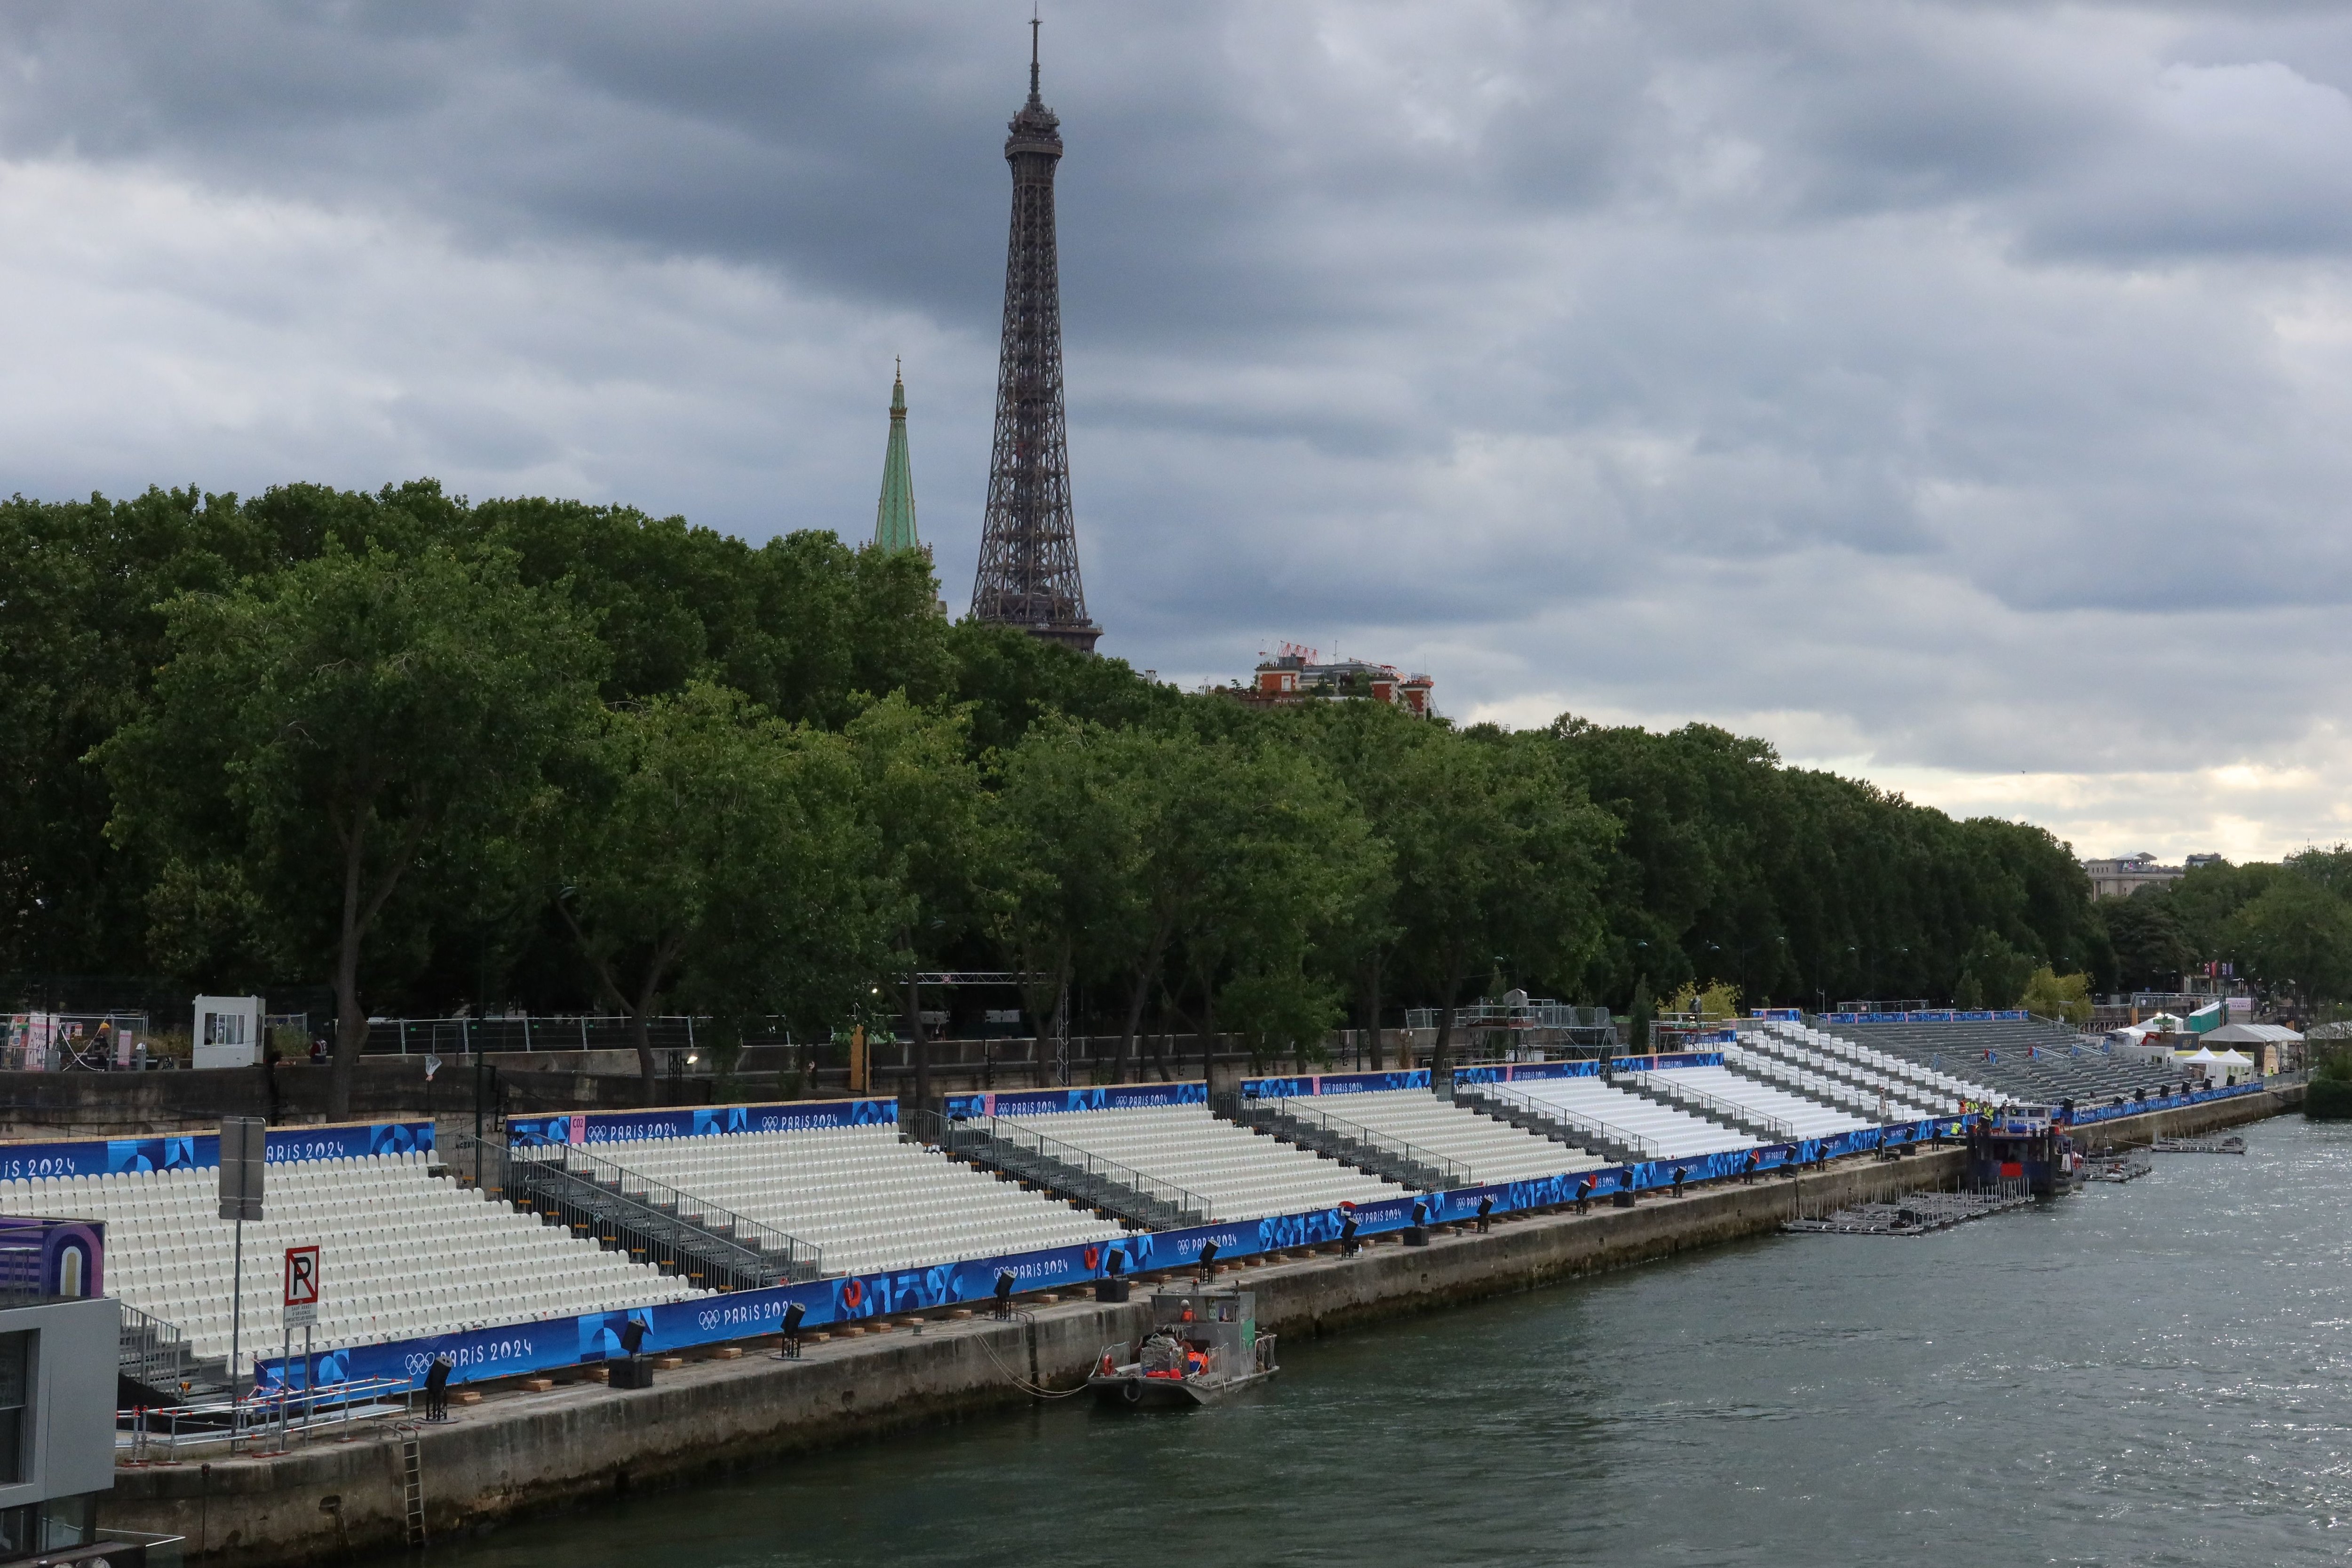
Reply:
x=1935, y=381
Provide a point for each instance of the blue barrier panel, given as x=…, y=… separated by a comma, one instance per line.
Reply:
x=2087, y=1115
x=200, y=1150
x=1333, y=1083
x=1522, y=1071
x=1048, y=1101
x=1934, y=1016
x=699, y=1120
x=1669, y=1059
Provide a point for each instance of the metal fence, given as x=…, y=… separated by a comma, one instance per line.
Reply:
x=1022, y=1150
x=279, y=1418
x=1574, y=1127
x=589, y=1193
x=1352, y=1142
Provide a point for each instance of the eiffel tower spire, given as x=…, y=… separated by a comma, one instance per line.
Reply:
x=1028, y=575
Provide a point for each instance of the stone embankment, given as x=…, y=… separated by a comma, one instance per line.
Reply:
x=523, y=1450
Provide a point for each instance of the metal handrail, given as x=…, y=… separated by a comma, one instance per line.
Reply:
x=1364, y=1147
x=1095, y=1180
x=1571, y=1120
x=1840, y=1093
x=151, y=1351
x=743, y=1253
x=266, y=1407
x=1737, y=1114
x=1906, y=1075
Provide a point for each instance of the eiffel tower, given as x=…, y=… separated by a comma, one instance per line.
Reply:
x=1028, y=573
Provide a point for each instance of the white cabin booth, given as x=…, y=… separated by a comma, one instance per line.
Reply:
x=227, y=1031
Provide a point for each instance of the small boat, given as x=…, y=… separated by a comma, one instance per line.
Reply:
x=1203, y=1347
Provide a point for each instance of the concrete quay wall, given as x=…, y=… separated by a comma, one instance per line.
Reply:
x=519, y=1452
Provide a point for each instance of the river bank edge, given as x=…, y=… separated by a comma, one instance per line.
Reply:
x=521, y=1452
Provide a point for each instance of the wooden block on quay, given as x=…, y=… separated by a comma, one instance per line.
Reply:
x=539, y=1384
x=669, y=1363
x=728, y=1352
x=961, y=1313
x=465, y=1396
x=597, y=1373
x=1048, y=1298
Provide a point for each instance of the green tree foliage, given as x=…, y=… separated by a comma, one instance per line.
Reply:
x=1801, y=885
x=354, y=729
x=2050, y=994
x=82, y=590
x=941, y=842
x=1497, y=854
x=716, y=853
x=2151, y=950
x=251, y=697
x=2296, y=937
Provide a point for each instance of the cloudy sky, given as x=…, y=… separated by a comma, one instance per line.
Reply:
x=1956, y=395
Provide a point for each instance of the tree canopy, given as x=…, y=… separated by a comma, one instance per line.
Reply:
x=424, y=753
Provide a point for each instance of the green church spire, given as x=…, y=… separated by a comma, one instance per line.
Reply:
x=894, y=517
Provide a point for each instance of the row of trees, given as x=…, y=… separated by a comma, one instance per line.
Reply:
x=2287, y=926
x=427, y=752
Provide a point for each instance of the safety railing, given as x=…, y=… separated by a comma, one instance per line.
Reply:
x=1022, y=1151
x=1731, y=1110
x=1311, y=1126
x=1570, y=1126
x=269, y=1415
x=150, y=1352
x=618, y=1206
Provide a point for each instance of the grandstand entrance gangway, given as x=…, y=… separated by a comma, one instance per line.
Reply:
x=1026, y=1155
x=627, y=1210
x=1320, y=1131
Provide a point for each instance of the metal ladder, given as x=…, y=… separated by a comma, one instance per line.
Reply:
x=411, y=1480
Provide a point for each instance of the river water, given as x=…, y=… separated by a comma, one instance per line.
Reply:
x=2147, y=1373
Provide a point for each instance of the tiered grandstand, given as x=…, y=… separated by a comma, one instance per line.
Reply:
x=2030, y=1059
x=1746, y=1102
x=871, y=1200
x=1241, y=1173
x=1618, y=1122
x=1840, y=1073
x=403, y=1252
x=408, y=1253
x=1486, y=1150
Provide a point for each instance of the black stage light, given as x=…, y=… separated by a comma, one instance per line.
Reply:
x=1417, y=1233
x=1005, y=1283
x=791, y=1350
x=1208, y=1257
x=1348, y=1245
x=1117, y=1264
x=1486, y=1210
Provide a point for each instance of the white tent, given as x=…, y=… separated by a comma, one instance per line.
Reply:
x=2235, y=1066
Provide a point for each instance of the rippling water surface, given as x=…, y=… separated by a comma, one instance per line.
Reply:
x=2149, y=1373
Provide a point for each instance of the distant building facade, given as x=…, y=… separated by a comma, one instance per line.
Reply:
x=1293, y=674
x=2120, y=878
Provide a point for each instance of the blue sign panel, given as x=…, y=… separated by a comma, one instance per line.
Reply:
x=200, y=1150
x=699, y=1120
x=1333, y=1083
x=1102, y=1097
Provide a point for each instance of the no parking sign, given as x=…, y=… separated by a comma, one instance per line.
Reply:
x=301, y=1287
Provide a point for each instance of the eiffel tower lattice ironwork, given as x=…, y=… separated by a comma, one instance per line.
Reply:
x=1028, y=573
